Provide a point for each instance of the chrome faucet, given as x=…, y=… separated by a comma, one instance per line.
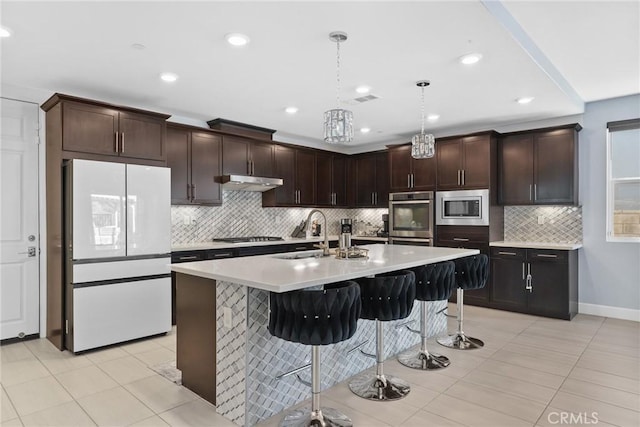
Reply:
x=324, y=246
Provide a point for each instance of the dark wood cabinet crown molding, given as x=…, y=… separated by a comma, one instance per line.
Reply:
x=59, y=97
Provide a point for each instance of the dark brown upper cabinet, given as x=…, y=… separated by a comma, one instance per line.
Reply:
x=243, y=156
x=409, y=174
x=101, y=129
x=464, y=162
x=331, y=179
x=297, y=168
x=195, y=161
x=371, y=176
x=539, y=167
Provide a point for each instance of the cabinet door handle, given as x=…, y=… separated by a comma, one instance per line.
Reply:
x=530, y=198
x=546, y=256
x=529, y=285
x=193, y=192
x=122, y=143
x=301, y=248
x=189, y=192
x=523, y=271
x=408, y=180
x=458, y=177
x=413, y=181
x=186, y=258
x=253, y=167
x=226, y=254
x=535, y=192
x=507, y=253
x=460, y=239
x=116, y=145
x=463, y=177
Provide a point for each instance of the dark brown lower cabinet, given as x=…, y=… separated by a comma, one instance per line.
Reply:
x=467, y=237
x=536, y=281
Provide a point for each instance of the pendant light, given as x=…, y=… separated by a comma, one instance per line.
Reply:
x=423, y=146
x=338, y=123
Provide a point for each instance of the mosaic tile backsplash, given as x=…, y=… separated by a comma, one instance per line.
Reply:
x=242, y=215
x=553, y=224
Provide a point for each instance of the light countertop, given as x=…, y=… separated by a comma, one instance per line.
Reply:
x=287, y=241
x=272, y=273
x=538, y=245
x=223, y=245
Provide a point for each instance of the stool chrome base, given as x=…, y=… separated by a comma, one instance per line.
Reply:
x=379, y=387
x=422, y=360
x=325, y=417
x=460, y=342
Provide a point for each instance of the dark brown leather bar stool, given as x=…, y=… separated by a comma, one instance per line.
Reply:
x=384, y=298
x=434, y=282
x=471, y=273
x=315, y=318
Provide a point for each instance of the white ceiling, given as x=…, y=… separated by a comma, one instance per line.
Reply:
x=561, y=53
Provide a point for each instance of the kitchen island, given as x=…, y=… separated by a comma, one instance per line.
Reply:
x=225, y=351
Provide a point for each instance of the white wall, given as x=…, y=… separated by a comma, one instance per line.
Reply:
x=609, y=272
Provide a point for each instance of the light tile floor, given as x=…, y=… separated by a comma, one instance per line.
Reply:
x=532, y=372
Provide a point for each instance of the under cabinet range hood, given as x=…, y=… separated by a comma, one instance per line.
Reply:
x=249, y=183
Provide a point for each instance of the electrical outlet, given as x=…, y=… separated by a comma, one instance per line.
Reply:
x=540, y=219
x=227, y=316
x=186, y=220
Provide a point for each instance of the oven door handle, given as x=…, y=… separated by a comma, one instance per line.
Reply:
x=409, y=202
x=408, y=239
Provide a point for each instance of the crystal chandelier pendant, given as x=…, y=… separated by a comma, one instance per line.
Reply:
x=338, y=123
x=423, y=146
x=338, y=126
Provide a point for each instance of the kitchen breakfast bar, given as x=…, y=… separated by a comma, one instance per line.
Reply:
x=227, y=355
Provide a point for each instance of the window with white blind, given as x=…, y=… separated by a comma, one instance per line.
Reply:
x=623, y=181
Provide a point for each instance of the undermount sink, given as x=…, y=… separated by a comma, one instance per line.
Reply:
x=299, y=255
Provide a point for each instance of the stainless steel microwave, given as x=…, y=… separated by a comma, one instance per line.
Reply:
x=462, y=207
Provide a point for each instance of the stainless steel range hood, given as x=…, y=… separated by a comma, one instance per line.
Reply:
x=249, y=183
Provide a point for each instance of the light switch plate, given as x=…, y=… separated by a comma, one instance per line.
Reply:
x=540, y=219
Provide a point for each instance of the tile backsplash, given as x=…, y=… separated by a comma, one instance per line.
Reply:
x=553, y=224
x=242, y=215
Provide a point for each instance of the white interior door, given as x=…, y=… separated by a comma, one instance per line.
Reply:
x=19, y=234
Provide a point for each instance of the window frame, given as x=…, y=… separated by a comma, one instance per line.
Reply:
x=610, y=183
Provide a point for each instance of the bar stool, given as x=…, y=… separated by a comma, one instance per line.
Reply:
x=471, y=273
x=315, y=318
x=434, y=282
x=385, y=297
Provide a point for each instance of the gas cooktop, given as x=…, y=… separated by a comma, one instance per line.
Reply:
x=248, y=239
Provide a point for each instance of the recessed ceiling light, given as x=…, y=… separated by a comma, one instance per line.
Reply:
x=433, y=117
x=5, y=32
x=237, y=39
x=291, y=110
x=365, y=130
x=363, y=89
x=470, y=58
x=524, y=100
x=169, y=77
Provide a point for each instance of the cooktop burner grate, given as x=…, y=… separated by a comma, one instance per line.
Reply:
x=248, y=239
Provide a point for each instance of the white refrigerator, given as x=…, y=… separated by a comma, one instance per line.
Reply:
x=118, y=252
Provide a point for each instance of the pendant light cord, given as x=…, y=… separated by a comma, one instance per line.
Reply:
x=422, y=131
x=338, y=74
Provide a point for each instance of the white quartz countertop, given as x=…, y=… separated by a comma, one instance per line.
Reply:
x=224, y=245
x=272, y=273
x=538, y=245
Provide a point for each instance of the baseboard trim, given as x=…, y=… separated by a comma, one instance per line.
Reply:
x=609, y=311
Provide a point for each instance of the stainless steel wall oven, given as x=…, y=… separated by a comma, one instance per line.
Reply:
x=411, y=218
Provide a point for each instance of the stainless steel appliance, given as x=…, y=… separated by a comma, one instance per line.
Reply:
x=346, y=228
x=247, y=239
x=411, y=218
x=118, y=251
x=462, y=207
